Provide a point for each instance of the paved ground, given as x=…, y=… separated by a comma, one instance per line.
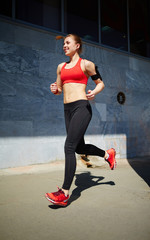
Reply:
x=104, y=204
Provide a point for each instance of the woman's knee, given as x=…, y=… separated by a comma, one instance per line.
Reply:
x=69, y=147
x=79, y=150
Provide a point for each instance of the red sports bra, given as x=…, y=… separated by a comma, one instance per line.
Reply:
x=74, y=74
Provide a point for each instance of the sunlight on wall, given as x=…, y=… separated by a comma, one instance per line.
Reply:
x=23, y=151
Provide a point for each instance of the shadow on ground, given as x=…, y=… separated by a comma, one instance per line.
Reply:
x=83, y=182
x=142, y=168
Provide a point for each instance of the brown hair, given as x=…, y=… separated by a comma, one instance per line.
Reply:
x=76, y=38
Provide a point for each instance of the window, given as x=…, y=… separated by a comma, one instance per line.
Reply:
x=82, y=18
x=107, y=22
x=40, y=12
x=114, y=23
x=6, y=8
x=139, y=27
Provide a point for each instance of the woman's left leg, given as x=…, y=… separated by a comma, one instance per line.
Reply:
x=89, y=149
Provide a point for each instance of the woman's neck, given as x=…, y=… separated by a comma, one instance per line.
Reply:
x=74, y=58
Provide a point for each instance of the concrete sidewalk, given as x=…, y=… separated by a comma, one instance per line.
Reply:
x=104, y=204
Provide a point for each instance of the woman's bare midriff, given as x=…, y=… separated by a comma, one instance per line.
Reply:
x=74, y=92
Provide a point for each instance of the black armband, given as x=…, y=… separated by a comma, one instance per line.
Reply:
x=97, y=75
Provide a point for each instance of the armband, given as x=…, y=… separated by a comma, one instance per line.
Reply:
x=97, y=75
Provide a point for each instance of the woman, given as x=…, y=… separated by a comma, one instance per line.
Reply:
x=72, y=79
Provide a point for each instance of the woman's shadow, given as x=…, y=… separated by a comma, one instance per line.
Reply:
x=83, y=181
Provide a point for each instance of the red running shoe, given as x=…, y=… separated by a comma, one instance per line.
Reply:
x=111, y=160
x=57, y=198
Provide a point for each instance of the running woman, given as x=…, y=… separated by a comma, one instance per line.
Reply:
x=72, y=79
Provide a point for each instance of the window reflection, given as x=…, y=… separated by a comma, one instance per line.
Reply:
x=82, y=18
x=6, y=8
x=40, y=12
x=139, y=12
x=114, y=23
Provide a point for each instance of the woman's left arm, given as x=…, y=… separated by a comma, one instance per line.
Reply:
x=90, y=69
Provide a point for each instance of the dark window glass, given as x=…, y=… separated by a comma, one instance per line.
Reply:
x=6, y=7
x=82, y=18
x=139, y=12
x=114, y=23
x=45, y=13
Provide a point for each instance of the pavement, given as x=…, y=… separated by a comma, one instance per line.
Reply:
x=104, y=204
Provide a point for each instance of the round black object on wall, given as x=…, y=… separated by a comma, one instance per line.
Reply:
x=121, y=98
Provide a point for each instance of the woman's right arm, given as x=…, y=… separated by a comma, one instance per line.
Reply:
x=56, y=87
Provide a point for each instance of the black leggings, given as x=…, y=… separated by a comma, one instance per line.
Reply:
x=77, y=117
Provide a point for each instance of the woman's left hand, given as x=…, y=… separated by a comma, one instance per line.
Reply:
x=90, y=95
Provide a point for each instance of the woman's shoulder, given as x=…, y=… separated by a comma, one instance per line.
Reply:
x=88, y=64
x=60, y=66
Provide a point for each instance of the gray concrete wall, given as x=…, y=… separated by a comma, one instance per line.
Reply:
x=31, y=118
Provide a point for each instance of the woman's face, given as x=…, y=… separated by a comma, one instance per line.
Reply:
x=70, y=46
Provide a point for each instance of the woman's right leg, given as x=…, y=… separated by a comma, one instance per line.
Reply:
x=77, y=121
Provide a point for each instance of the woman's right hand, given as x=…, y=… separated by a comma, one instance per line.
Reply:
x=54, y=88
